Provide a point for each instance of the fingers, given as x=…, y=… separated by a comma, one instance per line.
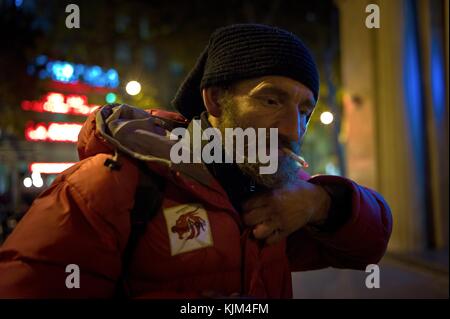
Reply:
x=270, y=232
x=257, y=216
x=260, y=212
x=266, y=229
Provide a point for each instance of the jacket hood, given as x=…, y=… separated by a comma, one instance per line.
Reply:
x=141, y=134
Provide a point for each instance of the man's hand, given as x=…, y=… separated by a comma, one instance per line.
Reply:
x=283, y=211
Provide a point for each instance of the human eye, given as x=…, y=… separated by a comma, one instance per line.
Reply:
x=270, y=101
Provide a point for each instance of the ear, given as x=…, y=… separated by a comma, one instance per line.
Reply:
x=211, y=96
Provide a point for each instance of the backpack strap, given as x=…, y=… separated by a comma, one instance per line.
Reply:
x=147, y=201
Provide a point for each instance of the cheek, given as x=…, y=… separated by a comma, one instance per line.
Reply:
x=258, y=120
x=250, y=115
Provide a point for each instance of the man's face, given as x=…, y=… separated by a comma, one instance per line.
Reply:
x=270, y=102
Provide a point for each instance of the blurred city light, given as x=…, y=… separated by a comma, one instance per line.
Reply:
x=133, y=87
x=331, y=169
x=41, y=60
x=110, y=97
x=27, y=182
x=67, y=72
x=326, y=118
x=59, y=103
x=53, y=132
x=49, y=168
x=37, y=179
x=62, y=71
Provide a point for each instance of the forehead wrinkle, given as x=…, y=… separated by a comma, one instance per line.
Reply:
x=293, y=91
x=271, y=88
x=258, y=87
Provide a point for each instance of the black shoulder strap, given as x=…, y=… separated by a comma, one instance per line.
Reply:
x=147, y=201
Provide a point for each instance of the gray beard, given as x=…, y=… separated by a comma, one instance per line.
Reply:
x=288, y=169
x=286, y=174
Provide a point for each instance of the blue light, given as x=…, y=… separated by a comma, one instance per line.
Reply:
x=18, y=3
x=112, y=78
x=49, y=67
x=94, y=72
x=41, y=60
x=43, y=74
x=412, y=90
x=62, y=71
x=78, y=71
x=112, y=75
x=437, y=78
x=79, y=68
x=92, y=75
x=68, y=72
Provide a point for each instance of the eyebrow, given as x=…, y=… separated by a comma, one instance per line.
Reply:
x=269, y=89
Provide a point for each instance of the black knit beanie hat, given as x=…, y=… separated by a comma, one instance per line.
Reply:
x=244, y=51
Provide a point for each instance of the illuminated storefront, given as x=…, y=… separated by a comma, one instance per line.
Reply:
x=55, y=117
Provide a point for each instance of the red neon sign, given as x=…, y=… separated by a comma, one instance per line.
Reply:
x=52, y=132
x=49, y=168
x=59, y=103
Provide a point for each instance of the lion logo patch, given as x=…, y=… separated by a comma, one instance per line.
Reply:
x=188, y=228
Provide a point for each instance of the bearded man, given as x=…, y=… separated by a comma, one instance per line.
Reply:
x=218, y=229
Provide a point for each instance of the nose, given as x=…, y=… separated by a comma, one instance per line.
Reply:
x=292, y=125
